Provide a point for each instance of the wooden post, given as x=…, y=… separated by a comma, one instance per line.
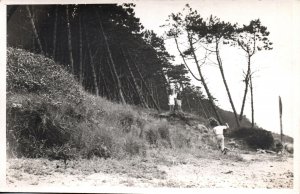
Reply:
x=280, y=116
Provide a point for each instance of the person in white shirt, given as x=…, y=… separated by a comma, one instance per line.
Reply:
x=218, y=130
x=172, y=97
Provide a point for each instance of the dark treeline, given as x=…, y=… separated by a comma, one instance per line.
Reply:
x=108, y=51
x=111, y=55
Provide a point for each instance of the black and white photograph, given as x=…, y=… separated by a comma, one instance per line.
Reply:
x=139, y=96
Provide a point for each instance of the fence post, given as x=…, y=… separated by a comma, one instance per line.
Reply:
x=280, y=116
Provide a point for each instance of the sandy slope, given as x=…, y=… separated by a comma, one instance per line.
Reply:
x=254, y=171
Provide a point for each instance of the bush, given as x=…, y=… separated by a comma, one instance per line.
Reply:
x=209, y=140
x=151, y=136
x=126, y=121
x=182, y=137
x=277, y=146
x=157, y=133
x=34, y=123
x=164, y=133
x=255, y=137
x=134, y=146
x=179, y=139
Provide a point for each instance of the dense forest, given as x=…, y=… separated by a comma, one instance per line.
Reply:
x=112, y=55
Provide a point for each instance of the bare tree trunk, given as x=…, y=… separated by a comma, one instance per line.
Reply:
x=246, y=88
x=166, y=81
x=252, y=103
x=146, y=87
x=152, y=89
x=157, y=97
x=225, y=83
x=55, y=32
x=188, y=103
x=80, y=50
x=203, y=109
x=137, y=88
x=69, y=36
x=132, y=88
x=34, y=29
x=116, y=91
x=184, y=61
x=93, y=70
x=105, y=84
x=119, y=86
x=130, y=95
x=84, y=70
x=206, y=109
x=92, y=64
x=203, y=82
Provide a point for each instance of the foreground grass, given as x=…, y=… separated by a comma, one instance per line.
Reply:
x=159, y=168
x=146, y=168
x=135, y=166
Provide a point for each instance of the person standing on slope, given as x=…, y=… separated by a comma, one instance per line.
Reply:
x=218, y=130
x=172, y=97
x=179, y=101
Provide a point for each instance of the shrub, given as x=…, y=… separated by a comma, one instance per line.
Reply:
x=157, y=133
x=165, y=136
x=97, y=141
x=210, y=140
x=164, y=133
x=277, y=145
x=134, y=146
x=151, y=136
x=34, y=123
x=180, y=139
x=126, y=121
x=255, y=137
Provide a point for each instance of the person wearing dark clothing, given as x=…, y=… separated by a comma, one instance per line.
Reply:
x=179, y=101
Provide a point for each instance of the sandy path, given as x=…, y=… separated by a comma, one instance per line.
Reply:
x=256, y=171
x=222, y=174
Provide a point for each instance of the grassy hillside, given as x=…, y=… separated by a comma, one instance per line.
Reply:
x=50, y=115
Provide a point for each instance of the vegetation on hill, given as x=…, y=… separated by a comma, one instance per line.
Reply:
x=50, y=115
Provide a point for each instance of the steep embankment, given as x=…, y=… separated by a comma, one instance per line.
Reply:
x=50, y=116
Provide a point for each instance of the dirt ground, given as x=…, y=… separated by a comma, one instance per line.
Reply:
x=250, y=170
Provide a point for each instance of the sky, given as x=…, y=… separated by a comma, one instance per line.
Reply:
x=276, y=70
